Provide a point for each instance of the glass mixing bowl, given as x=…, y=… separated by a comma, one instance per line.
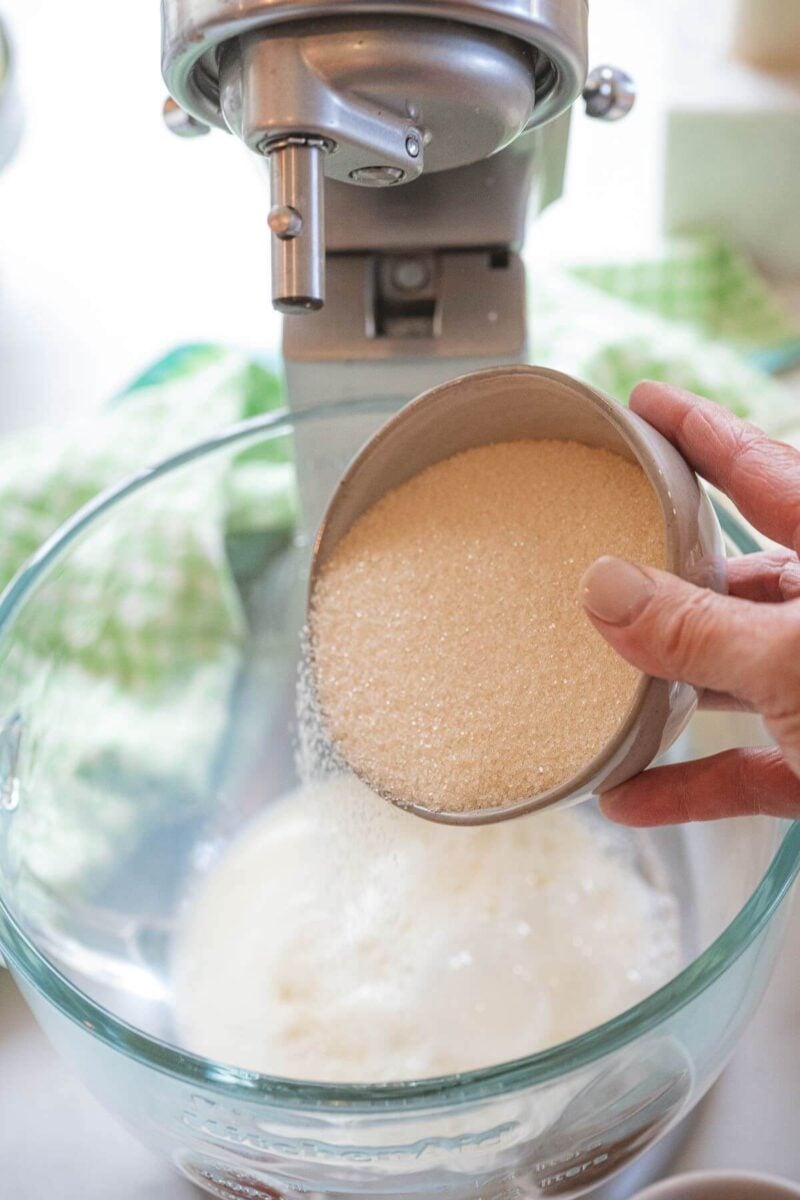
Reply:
x=148, y=658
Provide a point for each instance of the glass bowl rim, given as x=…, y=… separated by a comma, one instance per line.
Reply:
x=237, y=1083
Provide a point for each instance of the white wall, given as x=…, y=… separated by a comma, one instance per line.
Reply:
x=117, y=240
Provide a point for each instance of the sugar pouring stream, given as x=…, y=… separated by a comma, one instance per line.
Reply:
x=414, y=709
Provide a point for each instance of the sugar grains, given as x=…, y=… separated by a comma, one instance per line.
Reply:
x=454, y=665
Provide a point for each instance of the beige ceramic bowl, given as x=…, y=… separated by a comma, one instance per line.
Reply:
x=721, y=1185
x=523, y=402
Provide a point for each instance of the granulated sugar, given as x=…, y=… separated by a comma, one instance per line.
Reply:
x=454, y=664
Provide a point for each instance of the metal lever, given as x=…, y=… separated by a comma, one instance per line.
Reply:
x=297, y=221
x=609, y=93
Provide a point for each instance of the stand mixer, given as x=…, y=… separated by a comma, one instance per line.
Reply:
x=406, y=144
x=406, y=141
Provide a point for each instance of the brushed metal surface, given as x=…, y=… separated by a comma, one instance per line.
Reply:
x=481, y=309
x=298, y=248
x=386, y=91
x=486, y=203
x=194, y=29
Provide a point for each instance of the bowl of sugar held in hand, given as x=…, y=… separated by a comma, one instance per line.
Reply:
x=453, y=666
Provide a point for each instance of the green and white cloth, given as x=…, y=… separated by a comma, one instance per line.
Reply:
x=695, y=316
x=122, y=667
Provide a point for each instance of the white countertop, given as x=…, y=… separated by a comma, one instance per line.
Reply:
x=118, y=242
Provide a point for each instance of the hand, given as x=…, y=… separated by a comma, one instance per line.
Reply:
x=743, y=648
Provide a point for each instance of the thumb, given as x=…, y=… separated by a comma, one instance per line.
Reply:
x=674, y=630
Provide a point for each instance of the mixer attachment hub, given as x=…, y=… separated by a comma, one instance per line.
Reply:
x=386, y=97
x=297, y=221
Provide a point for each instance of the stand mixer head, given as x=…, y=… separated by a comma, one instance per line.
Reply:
x=345, y=98
x=368, y=96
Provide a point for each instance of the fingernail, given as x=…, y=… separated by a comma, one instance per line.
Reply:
x=615, y=590
x=609, y=803
x=614, y=807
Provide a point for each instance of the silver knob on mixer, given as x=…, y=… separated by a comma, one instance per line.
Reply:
x=297, y=222
x=609, y=93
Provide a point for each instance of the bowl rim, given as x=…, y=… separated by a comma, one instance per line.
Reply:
x=32, y=966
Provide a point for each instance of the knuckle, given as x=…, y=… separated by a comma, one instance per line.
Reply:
x=687, y=629
x=781, y=674
x=755, y=461
x=752, y=458
x=753, y=453
x=748, y=448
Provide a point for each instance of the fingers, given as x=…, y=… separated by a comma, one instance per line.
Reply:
x=732, y=784
x=669, y=628
x=760, y=475
x=769, y=578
